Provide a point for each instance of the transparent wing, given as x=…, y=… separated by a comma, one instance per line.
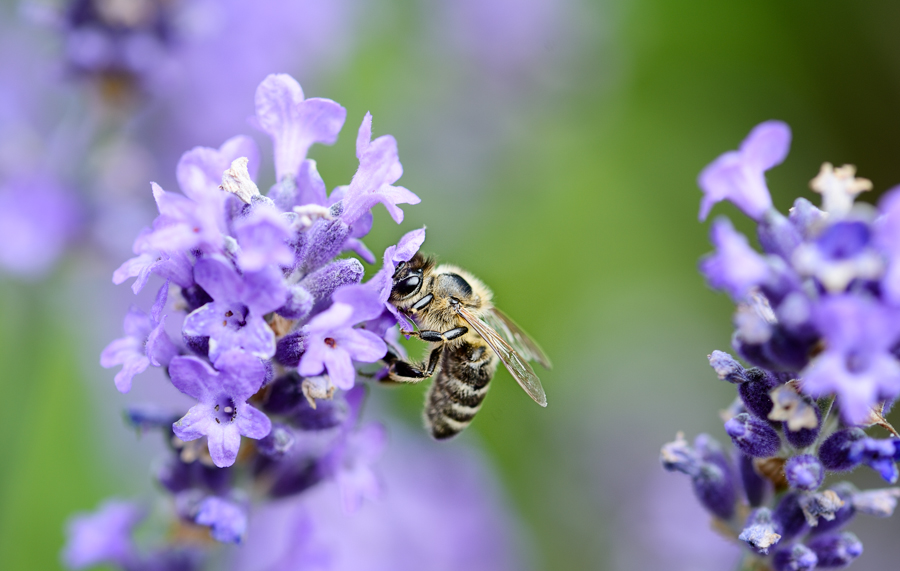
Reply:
x=515, y=364
x=518, y=339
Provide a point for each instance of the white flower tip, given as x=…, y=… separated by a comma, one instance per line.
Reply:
x=237, y=181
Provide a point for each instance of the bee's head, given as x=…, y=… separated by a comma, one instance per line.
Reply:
x=409, y=277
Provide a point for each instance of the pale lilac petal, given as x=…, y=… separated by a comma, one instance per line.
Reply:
x=245, y=374
x=264, y=291
x=256, y=337
x=406, y=248
x=734, y=267
x=252, y=423
x=131, y=368
x=312, y=362
x=160, y=348
x=363, y=346
x=195, y=424
x=340, y=368
x=336, y=316
x=310, y=186
x=199, y=171
x=767, y=145
x=134, y=267
x=224, y=442
x=159, y=303
x=119, y=351
x=360, y=249
x=220, y=280
x=263, y=236
x=362, y=298
x=364, y=136
x=193, y=376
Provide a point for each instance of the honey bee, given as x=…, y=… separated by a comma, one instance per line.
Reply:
x=453, y=311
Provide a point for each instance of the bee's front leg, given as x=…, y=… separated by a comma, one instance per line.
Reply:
x=401, y=371
x=436, y=336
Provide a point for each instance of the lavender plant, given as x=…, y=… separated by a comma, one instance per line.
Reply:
x=817, y=324
x=272, y=322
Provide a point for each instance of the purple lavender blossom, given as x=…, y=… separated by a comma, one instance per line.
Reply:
x=222, y=415
x=738, y=176
x=857, y=363
x=735, y=267
x=295, y=123
x=103, y=536
x=38, y=220
x=226, y=519
x=146, y=343
x=234, y=320
x=333, y=341
x=379, y=169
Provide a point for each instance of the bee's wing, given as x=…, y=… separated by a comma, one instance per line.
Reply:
x=515, y=364
x=518, y=339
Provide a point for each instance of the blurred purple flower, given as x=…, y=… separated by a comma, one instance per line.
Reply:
x=735, y=267
x=103, y=536
x=857, y=363
x=222, y=415
x=738, y=176
x=38, y=221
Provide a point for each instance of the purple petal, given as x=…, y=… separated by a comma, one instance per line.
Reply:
x=264, y=291
x=310, y=186
x=224, y=442
x=242, y=374
x=252, y=423
x=195, y=424
x=227, y=520
x=120, y=351
x=364, y=136
x=131, y=368
x=363, y=298
x=406, y=248
x=363, y=346
x=137, y=323
x=340, y=368
x=160, y=348
x=160, y=303
x=735, y=267
x=334, y=318
x=199, y=171
x=194, y=377
x=767, y=145
x=220, y=280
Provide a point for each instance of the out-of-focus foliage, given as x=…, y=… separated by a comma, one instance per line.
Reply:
x=555, y=146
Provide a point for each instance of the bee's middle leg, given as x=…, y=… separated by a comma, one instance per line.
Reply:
x=405, y=372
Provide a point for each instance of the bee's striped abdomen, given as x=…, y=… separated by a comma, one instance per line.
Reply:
x=458, y=388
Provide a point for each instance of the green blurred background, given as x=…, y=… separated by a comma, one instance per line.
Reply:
x=564, y=176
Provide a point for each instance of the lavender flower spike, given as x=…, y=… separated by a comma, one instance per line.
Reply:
x=333, y=343
x=222, y=415
x=294, y=123
x=738, y=176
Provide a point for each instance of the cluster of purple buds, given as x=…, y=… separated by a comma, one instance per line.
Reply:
x=273, y=323
x=818, y=320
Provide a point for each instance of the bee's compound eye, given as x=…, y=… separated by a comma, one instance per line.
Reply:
x=407, y=286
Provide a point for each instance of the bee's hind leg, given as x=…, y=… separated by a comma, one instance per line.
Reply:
x=401, y=371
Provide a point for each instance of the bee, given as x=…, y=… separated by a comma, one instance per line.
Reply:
x=468, y=336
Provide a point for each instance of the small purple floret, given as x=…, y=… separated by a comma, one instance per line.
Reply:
x=738, y=176
x=222, y=414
